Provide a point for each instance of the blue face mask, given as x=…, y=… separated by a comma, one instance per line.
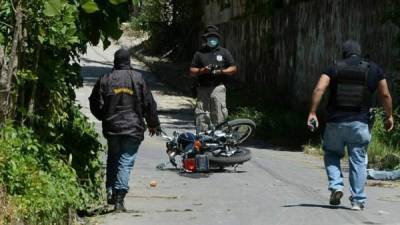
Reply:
x=212, y=42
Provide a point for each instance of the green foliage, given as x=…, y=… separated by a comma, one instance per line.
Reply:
x=49, y=153
x=89, y=6
x=47, y=177
x=40, y=184
x=116, y=2
x=384, y=150
x=274, y=120
x=171, y=25
x=390, y=138
x=53, y=7
x=84, y=156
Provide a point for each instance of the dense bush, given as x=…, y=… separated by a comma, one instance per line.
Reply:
x=49, y=153
x=384, y=150
x=39, y=183
x=47, y=181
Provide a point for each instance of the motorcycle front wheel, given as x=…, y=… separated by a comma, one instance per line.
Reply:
x=240, y=129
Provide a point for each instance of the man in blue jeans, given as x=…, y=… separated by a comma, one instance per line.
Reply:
x=352, y=82
x=122, y=100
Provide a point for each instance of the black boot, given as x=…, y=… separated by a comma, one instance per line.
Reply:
x=111, y=196
x=119, y=201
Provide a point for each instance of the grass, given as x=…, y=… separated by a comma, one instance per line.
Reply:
x=6, y=209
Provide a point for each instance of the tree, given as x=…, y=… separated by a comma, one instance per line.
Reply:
x=40, y=44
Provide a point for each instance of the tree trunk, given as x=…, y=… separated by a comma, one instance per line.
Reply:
x=9, y=69
x=31, y=104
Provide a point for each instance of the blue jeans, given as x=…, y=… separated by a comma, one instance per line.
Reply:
x=122, y=152
x=356, y=137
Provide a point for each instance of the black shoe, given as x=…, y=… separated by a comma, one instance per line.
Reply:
x=111, y=196
x=119, y=201
x=335, y=197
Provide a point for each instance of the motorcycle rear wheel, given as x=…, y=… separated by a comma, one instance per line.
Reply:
x=241, y=155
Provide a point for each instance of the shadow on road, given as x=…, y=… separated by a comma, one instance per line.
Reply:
x=317, y=206
x=90, y=74
x=198, y=175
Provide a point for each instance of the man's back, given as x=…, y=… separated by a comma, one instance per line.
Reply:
x=375, y=74
x=121, y=99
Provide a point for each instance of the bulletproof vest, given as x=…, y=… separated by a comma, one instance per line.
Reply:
x=352, y=92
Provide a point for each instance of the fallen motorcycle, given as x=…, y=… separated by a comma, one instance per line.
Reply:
x=217, y=148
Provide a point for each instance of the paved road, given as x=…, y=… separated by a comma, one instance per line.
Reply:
x=275, y=187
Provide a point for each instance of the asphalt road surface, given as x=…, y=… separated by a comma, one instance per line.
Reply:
x=275, y=187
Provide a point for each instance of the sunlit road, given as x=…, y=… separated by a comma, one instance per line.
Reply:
x=275, y=187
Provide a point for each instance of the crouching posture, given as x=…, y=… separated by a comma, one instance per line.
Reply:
x=122, y=100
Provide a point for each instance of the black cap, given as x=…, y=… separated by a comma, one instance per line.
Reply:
x=211, y=30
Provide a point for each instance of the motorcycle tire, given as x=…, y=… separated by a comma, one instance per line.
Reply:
x=241, y=156
x=234, y=125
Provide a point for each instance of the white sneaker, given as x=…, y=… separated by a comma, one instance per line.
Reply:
x=357, y=206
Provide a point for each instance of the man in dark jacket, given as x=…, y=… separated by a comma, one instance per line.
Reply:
x=122, y=100
x=352, y=82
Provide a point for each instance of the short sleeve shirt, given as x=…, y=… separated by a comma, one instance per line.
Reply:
x=376, y=74
x=220, y=57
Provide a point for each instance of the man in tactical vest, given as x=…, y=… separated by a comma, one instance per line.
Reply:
x=352, y=82
x=122, y=100
x=211, y=66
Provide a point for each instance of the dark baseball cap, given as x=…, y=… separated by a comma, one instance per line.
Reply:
x=211, y=30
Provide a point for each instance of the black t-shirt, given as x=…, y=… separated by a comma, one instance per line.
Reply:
x=218, y=56
x=375, y=75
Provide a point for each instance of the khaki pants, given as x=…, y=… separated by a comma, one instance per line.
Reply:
x=211, y=107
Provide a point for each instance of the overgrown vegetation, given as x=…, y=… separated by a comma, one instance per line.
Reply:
x=384, y=150
x=41, y=180
x=172, y=25
x=49, y=153
x=275, y=120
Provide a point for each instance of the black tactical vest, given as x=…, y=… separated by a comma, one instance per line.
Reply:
x=352, y=92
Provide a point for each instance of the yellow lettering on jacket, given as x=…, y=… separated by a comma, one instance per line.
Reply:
x=123, y=91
